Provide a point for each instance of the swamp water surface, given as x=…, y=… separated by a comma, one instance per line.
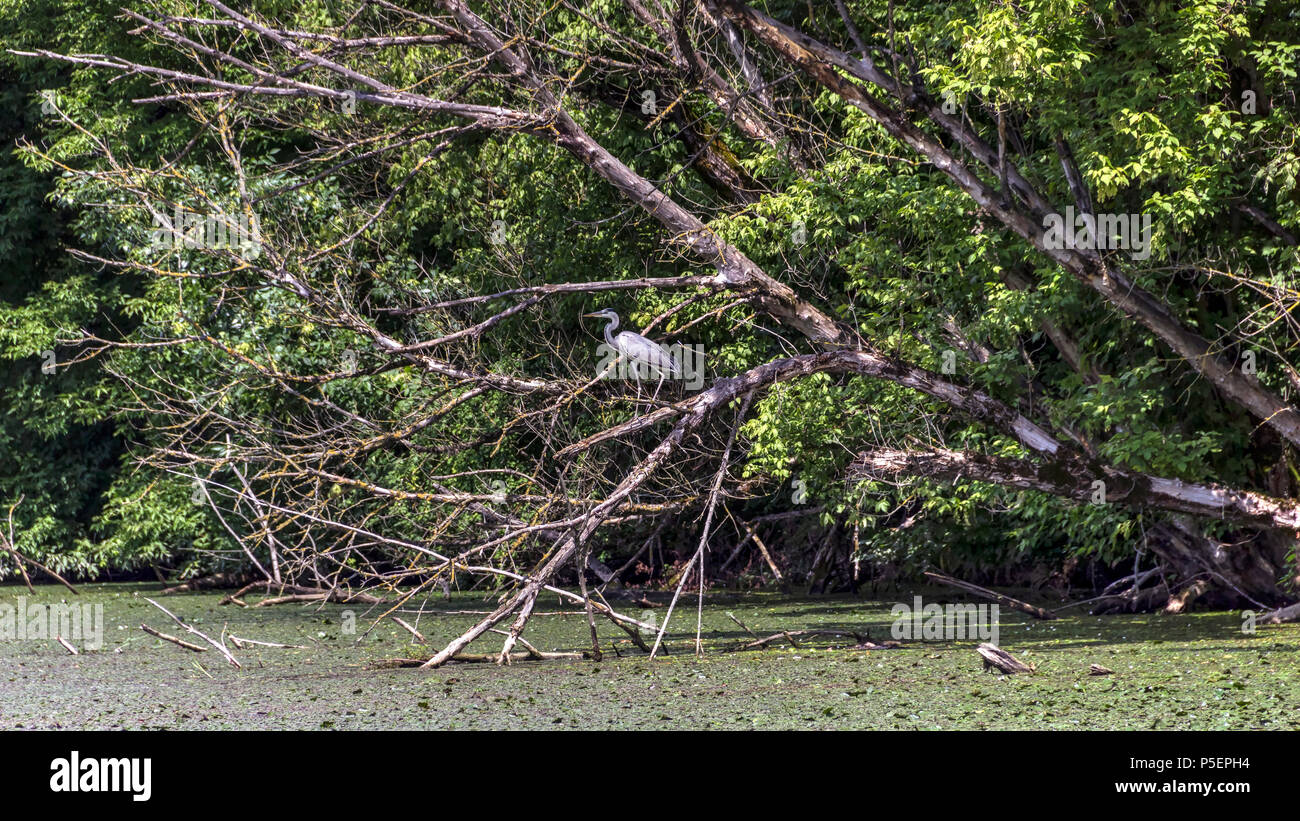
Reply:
x=1197, y=671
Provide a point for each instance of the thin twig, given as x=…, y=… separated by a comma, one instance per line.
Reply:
x=173, y=639
x=220, y=647
x=704, y=534
x=418, y=635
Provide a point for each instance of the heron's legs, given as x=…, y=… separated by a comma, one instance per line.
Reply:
x=636, y=377
x=623, y=364
x=655, y=398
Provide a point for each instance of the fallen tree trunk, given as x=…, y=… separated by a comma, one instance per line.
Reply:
x=1283, y=614
x=1229, y=572
x=1244, y=569
x=210, y=582
x=296, y=593
x=1134, y=580
x=1014, y=604
x=790, y=635
x=1076, y=479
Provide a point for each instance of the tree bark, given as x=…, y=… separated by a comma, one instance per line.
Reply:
x=1073, y=479
x=823, y=63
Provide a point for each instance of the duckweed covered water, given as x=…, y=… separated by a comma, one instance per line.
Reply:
x=1197, y=671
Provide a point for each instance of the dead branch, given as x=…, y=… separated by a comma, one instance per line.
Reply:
x=705, y=533
x=1014, y=604
x=13, y=551
x=178, y=642
x=221, y=648
x=742, y=625
x=213, y=580
x=312, y=594
x=767, y=557
x=240, y=642
x=790, y=635
x=11, y=547
x=418, y=635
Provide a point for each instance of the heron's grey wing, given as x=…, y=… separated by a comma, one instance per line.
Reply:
x=674, y=367
x=645, y=350
x=665, y=361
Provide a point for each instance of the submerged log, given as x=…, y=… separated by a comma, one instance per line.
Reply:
x=871, y=645
x=215, y=580
x=298, y=593
x=481, y=658
x=240, y=642
x=1001, y=659
x=791, y=635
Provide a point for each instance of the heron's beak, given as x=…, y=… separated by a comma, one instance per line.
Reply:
x=587, y=315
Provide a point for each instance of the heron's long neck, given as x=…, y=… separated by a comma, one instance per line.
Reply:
x=609, y=331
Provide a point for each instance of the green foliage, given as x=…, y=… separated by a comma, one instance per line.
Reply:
x=1150, y=100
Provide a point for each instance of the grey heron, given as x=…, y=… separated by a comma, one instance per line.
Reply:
x=637, y=349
